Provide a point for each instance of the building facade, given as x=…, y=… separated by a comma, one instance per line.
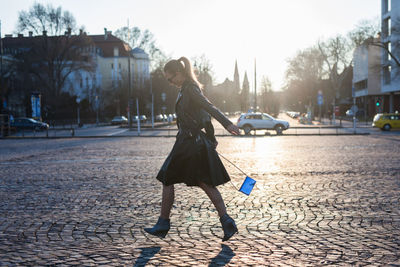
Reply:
x=367, y=77
x=117, y=72
x=390, y=68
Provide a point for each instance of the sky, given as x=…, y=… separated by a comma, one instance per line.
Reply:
x=224, y=31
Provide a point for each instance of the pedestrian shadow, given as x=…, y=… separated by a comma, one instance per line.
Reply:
x=223, y=257
x=145, y=255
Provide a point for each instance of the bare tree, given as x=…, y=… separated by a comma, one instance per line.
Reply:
x=364, y=30
x=245, y=94
x=266, y=94
x=49, y=60
x=204, y=72
x=136, y=37
x=48, y=19
x=336, y=53
x=303, y=76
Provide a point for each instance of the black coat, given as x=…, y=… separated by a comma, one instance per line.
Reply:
x=193, y=158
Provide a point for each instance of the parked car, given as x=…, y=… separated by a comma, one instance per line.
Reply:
x=359, y=113
x=118, y=120
x=386, y=121
x=170, y=118
x=159, y=117
x=143, y=118
x=261, y=121
x=28, y=123
x=293, y=114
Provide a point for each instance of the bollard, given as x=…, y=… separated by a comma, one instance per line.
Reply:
x=72, y=132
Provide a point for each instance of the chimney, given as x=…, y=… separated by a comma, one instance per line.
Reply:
x=105, y=33
x=80, y=31
x=44, y=33
x=20, y=35
x=30, y=34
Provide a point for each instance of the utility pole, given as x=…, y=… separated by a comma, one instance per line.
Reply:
x=129, y=82
x=152, y=103
x=255, y=85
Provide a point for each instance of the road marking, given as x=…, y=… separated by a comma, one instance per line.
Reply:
x=122, y=131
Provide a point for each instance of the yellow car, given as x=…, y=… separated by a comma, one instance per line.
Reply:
x=386, y=121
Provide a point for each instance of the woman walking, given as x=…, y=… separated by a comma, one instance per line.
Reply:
x=193, y=159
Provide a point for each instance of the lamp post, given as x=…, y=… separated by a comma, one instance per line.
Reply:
x=78, y=100
x=97, y=110
x=130, y=104
x=255, y=85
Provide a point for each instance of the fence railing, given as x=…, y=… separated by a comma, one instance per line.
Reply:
x=171, y=131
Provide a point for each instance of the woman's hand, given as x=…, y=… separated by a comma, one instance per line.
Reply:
x=233, y=129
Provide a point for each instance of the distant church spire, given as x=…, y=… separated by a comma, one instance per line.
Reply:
x=236, y=78
x=244, y=94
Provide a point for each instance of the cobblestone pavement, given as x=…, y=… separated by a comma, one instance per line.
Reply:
x=318, y=201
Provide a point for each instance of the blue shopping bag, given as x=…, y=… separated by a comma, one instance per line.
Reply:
x=247, y=186
x=248, y=183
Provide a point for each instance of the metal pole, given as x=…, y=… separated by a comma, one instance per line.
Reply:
x=138, y=122
x=354, y=115
x=319, y=111
x=152, y=103
x=152, y=110
x=79, y=119
x=333, y=115
x=255, y=86
x=129, y=83
x=97, y=110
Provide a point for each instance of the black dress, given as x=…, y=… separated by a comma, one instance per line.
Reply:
x=193, y=158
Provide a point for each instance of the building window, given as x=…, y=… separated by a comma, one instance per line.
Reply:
x=361, y=85
x=112, y=66
x=119, y=65
x=387, y=74
x=387, y=5
x=81, y=83
x=387, y=27
x=387, y=51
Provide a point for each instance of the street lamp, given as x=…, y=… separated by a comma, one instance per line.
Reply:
x=78, y=100
x=97, y=110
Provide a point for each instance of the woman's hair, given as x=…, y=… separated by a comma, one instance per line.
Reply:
x=182, y=65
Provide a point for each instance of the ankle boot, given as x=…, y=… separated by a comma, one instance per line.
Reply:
x=160, y=229
x=229, y=227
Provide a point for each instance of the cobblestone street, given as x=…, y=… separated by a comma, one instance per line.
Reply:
x=328, y=200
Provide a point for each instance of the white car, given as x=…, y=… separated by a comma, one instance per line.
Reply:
x=261, y=121
x=119, y=120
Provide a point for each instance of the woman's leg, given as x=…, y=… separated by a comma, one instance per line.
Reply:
x=162, y=226
x=215, y=197
x=228, y=224
x=167, y=201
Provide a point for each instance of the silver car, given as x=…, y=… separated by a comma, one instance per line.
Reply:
x=261, y=121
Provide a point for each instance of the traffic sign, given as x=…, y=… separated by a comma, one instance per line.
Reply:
x=320, y=100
